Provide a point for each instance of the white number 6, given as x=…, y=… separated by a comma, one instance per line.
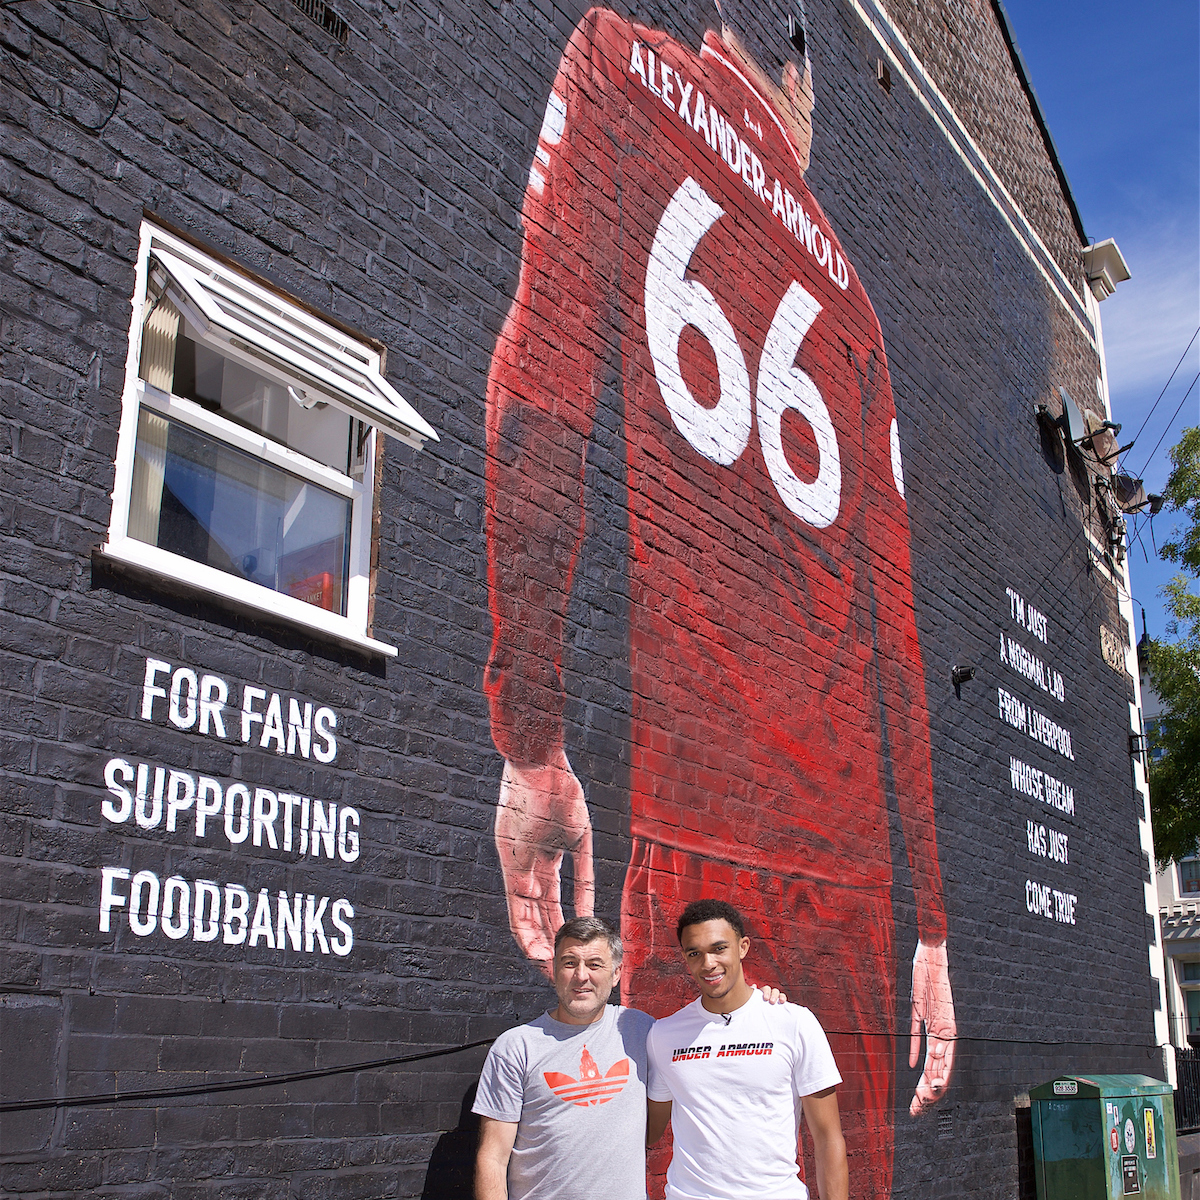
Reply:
x=673, y=301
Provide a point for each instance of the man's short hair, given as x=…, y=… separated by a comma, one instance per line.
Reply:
x=700, y=911
x=590, y=929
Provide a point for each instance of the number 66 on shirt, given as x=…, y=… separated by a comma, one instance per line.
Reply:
x=673, y=302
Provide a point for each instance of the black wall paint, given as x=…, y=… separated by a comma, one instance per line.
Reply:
x=381, y=182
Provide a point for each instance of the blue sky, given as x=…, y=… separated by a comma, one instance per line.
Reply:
x=1120, y=87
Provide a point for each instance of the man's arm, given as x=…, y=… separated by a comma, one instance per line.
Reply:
x=658, y=1117
x=829, y=1147
x=496, y=1140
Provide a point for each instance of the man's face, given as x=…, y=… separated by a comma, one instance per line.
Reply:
x=713, y=953
x=584, y=975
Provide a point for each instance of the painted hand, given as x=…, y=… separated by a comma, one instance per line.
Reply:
x=933, y=1007
x=541, y=815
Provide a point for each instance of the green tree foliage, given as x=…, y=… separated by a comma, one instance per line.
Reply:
x=1175, y=670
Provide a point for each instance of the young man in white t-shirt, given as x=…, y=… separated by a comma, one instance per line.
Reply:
x=732, y=1075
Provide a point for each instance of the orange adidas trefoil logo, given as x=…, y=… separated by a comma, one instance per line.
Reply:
x=591, y=1087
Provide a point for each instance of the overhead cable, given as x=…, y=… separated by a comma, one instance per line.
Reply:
x=1182, y=402
x=1166, y=385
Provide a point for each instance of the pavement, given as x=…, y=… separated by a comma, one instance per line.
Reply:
x=1189, y=1166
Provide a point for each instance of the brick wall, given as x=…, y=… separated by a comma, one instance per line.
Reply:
x=963, y=48
x=381, y=182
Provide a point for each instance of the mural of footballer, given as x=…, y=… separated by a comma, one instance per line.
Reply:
x=670, y=242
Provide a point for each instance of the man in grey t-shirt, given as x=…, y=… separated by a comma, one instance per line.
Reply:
x=568, y=1091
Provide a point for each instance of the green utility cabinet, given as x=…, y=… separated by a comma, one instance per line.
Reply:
x=1104, y=1137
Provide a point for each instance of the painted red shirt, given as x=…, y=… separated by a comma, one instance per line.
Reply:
x=673, y=251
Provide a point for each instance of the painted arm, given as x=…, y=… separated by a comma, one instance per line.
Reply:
x=829, y=1147
x=905, y=712
x=933, y=1007
x=496, y=1140
x=542, y=814
x=541, y=398
x=534, y=524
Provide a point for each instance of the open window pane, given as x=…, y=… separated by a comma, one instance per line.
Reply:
x=215, y=504
x=175, y=361
x=226, y=307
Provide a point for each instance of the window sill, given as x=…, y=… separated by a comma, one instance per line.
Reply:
x=240, y=594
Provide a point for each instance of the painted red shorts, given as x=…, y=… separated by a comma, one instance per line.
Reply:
x=799, y=944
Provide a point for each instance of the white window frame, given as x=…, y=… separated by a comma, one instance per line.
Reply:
x=269, y=333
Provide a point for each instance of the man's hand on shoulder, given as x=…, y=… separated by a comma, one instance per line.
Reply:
x=771, y=995
x=933, y=1007
x=542, y=814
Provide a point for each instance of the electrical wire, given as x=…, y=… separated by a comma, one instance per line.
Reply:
x=1166, y=385
x=112, y=12
x=1170, y=423
x=241, y=1085
x=1054, y=565
x=104, y=36
x=233, y=1085
x=1062, y=590
x=1137, y=537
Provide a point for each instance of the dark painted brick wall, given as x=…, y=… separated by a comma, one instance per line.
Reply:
x=381, y=182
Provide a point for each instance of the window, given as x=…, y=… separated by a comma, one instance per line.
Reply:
x=1154, y=736
x=1191, y=972
x=1193, y=1011
x=246, y=458
x=1189, y=875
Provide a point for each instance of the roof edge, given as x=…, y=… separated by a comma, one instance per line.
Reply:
x=1035, y=105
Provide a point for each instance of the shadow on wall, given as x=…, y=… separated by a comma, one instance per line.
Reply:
x=452, y=1164
x=1026, y=1178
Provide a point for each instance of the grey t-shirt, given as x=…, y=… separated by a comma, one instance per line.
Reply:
x=578, y=1096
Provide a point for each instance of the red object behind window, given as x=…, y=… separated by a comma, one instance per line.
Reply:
x=316, y=589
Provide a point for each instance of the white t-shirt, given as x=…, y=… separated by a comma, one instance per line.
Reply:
x=736, y=1090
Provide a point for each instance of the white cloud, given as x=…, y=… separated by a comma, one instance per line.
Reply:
x=1151, y=318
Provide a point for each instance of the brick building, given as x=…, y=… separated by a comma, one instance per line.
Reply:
x=377, y=395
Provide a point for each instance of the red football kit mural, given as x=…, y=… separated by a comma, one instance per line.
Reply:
x=674, y=256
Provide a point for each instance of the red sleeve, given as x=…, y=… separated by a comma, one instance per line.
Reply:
x=542, y=393
x=898, y=652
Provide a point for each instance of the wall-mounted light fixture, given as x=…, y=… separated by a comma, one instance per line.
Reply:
x=959, y=676
x=1137, y=744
